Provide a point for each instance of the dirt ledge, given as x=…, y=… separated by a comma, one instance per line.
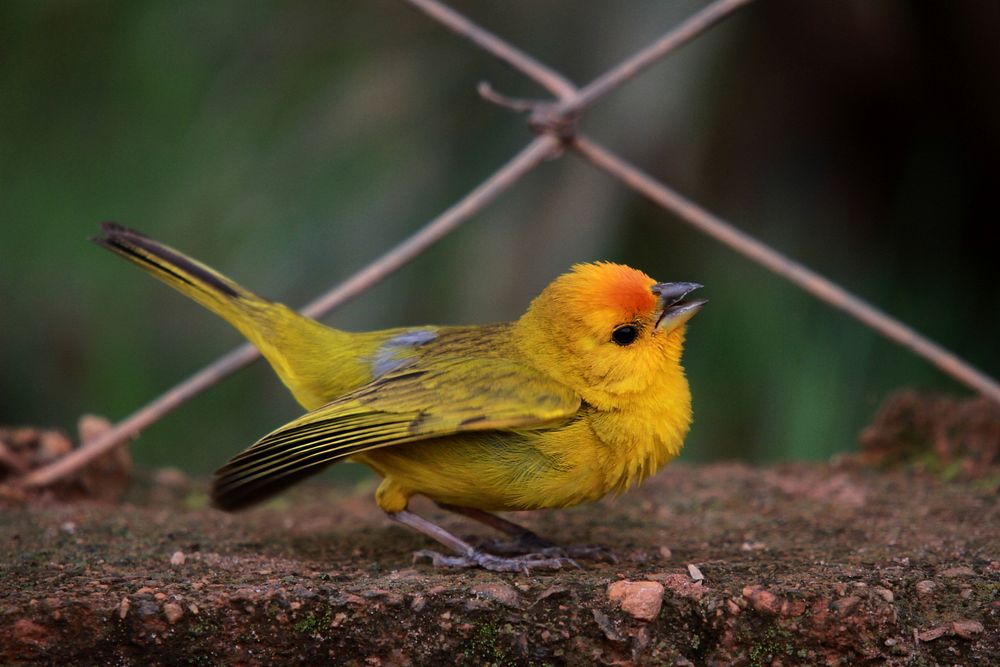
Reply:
x=802, y=564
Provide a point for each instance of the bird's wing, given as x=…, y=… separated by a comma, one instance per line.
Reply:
x=452, y=395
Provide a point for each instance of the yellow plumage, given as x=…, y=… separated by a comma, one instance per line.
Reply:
x=582, y=396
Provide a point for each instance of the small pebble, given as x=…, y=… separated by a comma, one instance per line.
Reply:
x=762, y=600
x=967, y=629
x=502, y=593
x=884, y=593
x=173, y=612
x=933, y=633
x=666, y=553
x=640, y=599
x=695, y=572
x=178, y=558
x=925, y=587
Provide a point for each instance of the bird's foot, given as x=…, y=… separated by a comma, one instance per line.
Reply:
x=533, y=544
x=477, y=558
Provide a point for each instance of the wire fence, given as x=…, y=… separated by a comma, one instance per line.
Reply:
x=555, y=122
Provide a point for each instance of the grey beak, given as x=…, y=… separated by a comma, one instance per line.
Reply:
x=671, y=293
x=675, y=311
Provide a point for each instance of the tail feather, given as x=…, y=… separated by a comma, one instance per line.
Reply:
x=210, y=288
x=311, y=359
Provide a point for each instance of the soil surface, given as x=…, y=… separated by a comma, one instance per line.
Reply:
x=835, y=564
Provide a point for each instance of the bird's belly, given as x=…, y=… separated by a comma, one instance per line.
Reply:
x=494, y=471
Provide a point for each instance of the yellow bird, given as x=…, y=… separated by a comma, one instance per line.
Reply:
x=584, y=395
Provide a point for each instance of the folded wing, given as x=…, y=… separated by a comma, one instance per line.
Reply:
x=454, y=395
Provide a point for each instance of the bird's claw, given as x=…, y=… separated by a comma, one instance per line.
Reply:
x=476, y=558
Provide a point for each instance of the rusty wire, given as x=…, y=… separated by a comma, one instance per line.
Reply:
x=555, y=120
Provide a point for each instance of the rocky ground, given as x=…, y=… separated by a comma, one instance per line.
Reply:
x=841, y=563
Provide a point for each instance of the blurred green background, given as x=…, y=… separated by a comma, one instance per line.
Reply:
x=290, y=143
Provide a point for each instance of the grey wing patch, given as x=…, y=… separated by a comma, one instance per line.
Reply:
x=390, y=356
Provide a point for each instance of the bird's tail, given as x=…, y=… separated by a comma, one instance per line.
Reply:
x=222, y=296
x=286, y=338
x=203, y=284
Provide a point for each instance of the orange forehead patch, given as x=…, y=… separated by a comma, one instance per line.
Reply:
x=615, y=287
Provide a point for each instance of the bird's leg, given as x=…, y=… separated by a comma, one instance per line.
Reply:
x=526, y=541
x=468, y=555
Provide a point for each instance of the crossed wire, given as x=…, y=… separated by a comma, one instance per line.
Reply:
x=555, y=122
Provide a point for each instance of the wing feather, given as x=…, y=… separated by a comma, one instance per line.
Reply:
x=422, y=401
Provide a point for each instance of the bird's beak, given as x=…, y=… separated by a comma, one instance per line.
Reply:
x=674, y=310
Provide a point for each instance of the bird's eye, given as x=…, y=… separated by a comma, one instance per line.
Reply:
x=625, y=334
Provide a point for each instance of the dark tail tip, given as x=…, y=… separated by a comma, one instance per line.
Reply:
x=118, y=236
x=110, y=231
x=142, y=249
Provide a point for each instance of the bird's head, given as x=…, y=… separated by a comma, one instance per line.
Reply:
x=608, y=328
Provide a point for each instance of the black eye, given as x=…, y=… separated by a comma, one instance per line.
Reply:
x=625, y=334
